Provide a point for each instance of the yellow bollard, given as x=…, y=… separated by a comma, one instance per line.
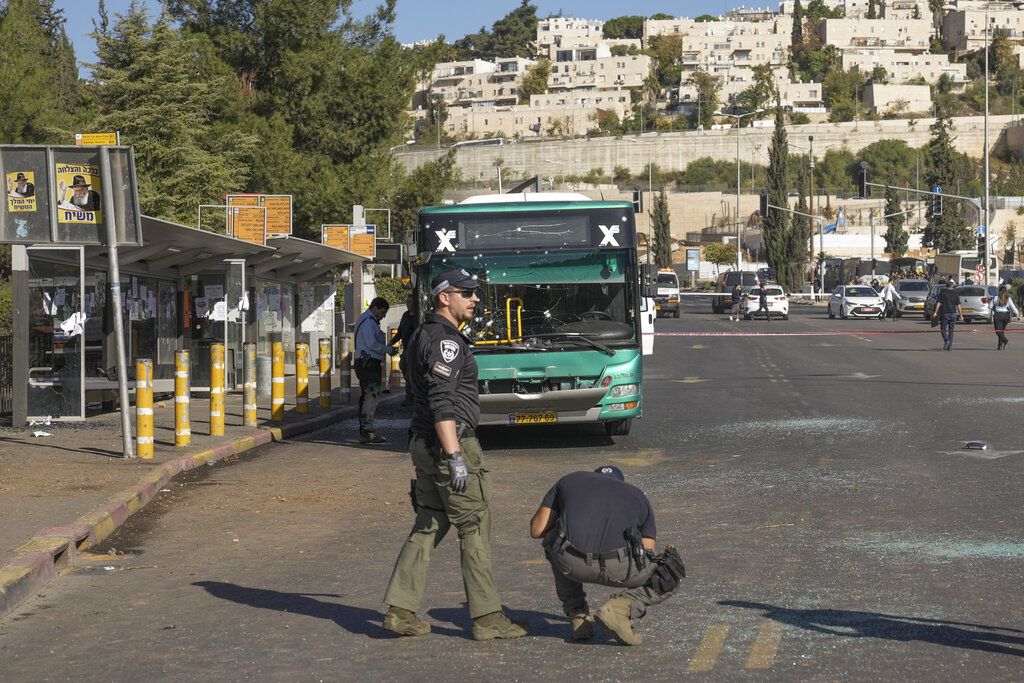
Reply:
x=216, y=390
x=302, y=377
x=144, y=408
x=182, y=428
x=249, y=386
x=277, y=383
x=345, y=363
x=325, y=372
x=396, y=380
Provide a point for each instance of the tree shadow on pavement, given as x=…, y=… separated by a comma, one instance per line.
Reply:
x=355, y=620
x=854, y=624
x=542, y=625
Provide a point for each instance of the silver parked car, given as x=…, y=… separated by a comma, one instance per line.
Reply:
x=855, y=301
x=974, y=301
x=913, y=293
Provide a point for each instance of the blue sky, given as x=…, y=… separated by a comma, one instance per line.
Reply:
x=425, y=19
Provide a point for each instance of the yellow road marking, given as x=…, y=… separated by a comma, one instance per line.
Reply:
x=698, y=346
x=690, y=380
x=707, y=652
x=762, y=654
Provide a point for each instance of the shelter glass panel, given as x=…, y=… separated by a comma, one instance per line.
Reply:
x=56, y=334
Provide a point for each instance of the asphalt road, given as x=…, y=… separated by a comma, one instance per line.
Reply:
x=832, y=525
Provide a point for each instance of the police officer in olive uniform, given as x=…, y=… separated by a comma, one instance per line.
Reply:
x=452, y=486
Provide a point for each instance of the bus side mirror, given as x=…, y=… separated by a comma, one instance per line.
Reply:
x=649, y=280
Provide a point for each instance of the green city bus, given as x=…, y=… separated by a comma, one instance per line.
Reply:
x=557, y=335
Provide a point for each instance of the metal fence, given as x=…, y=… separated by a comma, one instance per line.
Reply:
x=6, y=374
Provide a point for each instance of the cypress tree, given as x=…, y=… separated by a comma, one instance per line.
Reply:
x=660, y=221
x=776, y=224
x=896, y=238
x=947, y=231
x=798, y=26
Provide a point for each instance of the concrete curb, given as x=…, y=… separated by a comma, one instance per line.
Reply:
x=42, y=558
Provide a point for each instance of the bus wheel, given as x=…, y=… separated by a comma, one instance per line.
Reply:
x=675, y=314
x=618, y=427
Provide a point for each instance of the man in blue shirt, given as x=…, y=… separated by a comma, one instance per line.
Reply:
x=371, y=350
x=599, y=529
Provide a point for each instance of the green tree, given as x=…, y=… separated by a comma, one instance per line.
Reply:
x=412, y=190
x=667, y=53
x=817, y=10
x=704, y=18
x=535, y=82
x=719, y=253
x=660, y=222
x=949, y=230
x=872, y=10
x=775, y=226
x=38, y=74
x=708, y=89
x=835, y=171
x=150, y=88
x=630, y=26
x=797, y=43
x=891, y=162
x=896, y=238
x=762, y=92
x=511, y=36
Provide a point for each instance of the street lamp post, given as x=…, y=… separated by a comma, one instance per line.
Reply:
x=739, y=227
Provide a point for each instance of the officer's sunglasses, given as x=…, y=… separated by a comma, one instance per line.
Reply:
x=465, y=293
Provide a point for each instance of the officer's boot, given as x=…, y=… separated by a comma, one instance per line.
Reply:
x=497, y=625
x=614, y=616
x=405, y=623
x=581, y=624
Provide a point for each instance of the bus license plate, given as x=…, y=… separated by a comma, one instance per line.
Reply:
x=532, y=418
x=967, y=310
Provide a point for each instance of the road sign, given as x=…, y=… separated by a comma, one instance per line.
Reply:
x=363, y=240
x=336, y=236
x=97, y=139
x=248, y=223
x=278, y=206
x=981, y=231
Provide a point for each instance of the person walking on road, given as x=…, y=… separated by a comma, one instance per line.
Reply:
x=369, y=363
x=1002, y=309
x=599, y=529
x=452, y=485
x=403, y=336
x=947, y=311
x=890, y=296
x=762, y=302
x=737, y=297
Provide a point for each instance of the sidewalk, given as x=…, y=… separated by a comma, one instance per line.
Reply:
x=75, y=486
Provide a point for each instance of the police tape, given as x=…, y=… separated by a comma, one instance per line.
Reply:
x=828, y=333
x=794, y=295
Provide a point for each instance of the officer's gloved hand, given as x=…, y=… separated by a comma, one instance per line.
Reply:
x=457, y=470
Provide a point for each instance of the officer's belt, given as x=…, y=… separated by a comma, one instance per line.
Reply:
x=562, y=544
x=461, y=431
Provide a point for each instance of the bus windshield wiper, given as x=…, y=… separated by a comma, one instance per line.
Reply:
x=575, y=335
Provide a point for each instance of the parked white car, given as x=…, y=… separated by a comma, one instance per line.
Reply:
x=778, y=303
x=855, y=301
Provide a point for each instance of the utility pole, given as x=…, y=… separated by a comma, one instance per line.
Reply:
x=874, y=221
x=988, y=232
x=821, y=228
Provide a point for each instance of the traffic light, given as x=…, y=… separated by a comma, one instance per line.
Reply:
x=862, y=181
x=764, y=203
x=638, y=200
x=982, y=247
x=936, y=204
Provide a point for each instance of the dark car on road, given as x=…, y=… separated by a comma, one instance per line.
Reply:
x=724, y=285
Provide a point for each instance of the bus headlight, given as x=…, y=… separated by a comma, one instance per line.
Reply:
x=624, y=390
x=622, y=406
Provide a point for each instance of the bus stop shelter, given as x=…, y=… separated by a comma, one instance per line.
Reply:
x=183, y=288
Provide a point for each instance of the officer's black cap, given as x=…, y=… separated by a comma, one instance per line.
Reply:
x=459, y=278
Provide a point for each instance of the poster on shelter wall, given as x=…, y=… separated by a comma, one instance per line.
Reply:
x=78, y=194
x=21, y=191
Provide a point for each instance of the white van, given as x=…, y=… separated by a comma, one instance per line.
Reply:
x=667, y=300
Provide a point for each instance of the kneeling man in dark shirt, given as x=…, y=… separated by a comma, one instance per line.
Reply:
x=599, y=529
